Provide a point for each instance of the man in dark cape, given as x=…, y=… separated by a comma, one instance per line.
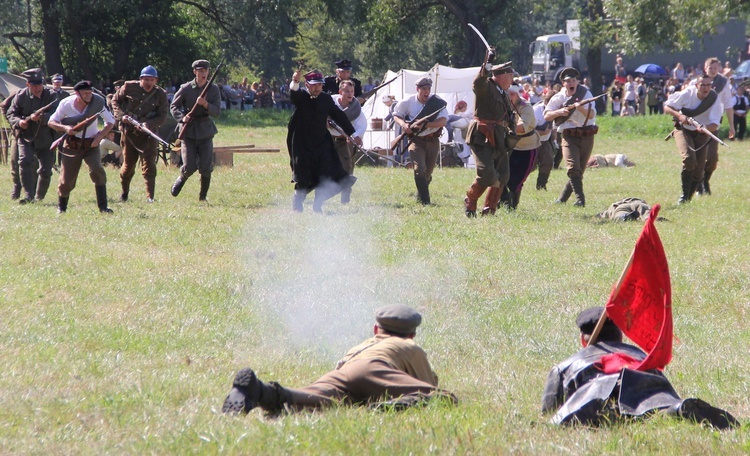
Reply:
x=313, y=158
x=580, y=392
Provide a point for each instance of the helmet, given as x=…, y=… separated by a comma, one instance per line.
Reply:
x=149, y=71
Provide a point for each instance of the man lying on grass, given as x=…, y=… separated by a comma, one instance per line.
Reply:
x=389, y=367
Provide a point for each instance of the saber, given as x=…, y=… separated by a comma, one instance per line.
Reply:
x=481, y=37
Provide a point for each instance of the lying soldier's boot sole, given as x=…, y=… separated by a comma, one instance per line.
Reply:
x=244, y=394
x=702, y=412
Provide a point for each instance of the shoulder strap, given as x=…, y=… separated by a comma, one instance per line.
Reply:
x=704, y=105
x=718, y=83
x=433, y=104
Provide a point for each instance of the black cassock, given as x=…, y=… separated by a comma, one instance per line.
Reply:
x=313, y=157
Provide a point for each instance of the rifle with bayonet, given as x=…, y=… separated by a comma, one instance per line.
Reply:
x=195, y=106
x=76, y=128
x=142, y=127
x=702, y=129
x=416, y=127
x=332, y=123
x=362, y=98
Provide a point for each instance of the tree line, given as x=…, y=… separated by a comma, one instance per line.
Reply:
x=107, y=40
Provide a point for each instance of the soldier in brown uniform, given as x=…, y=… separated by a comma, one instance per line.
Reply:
x=34, y=136
x=487, y=133
x=198, y=141
x=388, y=366
x=83, y=145
x=145, y=102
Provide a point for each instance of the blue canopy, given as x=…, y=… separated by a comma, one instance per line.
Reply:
x=651, y=69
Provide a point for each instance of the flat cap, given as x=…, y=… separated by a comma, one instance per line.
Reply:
x=82, y=85
x=502, y=68
x=425, y=81
x=34, y=76
x=201, y=63
x=344, y=64
x=398, y=319
x=569, y=73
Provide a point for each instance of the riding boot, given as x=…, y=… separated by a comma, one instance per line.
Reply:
x=541, y=181
x=101, y=199
x=177, y=186
x=205, y=184
x=567, y=191
x=125, y=183
x=62, y=204
x=472, y=195
x=688, y=187
x=516, y=199
x=491, y=200
x=577, y=184
x=299, y=198
x=423, y=189
x=706, y=186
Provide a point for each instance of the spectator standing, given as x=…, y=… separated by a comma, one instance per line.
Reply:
x=630, y=96
x=741, y=104
x=620, y=72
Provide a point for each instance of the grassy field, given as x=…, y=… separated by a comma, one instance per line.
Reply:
x=121, y=334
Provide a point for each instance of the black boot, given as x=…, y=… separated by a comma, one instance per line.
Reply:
x=567, y=191
x=687, y=187
x=706, y=186
x=516, y=198
x=177, y=186
x=205, y=184
x=423, y=189
x=541, y=181
x=62, y=204
x=101, y=199
x=248, y=392
x=577, y=184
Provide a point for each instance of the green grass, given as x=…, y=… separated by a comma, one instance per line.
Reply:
x=121, y=334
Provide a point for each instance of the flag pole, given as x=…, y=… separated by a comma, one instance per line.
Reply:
x=603, y=318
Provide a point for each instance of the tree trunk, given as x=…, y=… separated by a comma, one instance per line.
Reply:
x=465, y=13
x=51, y=37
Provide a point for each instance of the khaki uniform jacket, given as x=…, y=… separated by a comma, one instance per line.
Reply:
x=491, y=104
x=400, y=353
x=129, y=100
x=201, y=126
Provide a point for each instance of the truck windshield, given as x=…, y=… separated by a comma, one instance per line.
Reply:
x=540, y=49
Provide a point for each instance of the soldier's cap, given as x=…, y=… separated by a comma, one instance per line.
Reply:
x=314, y=77
x=588, y=319
x=34, y=76
x=119, y=83
x=425, y=81
x=200, y=63
x=57, y=77
x=502, y=68
x=398, y=319
x=149, y=71
x=344, y=64
x=82, y=85
x=568, y=73
x=387, y=97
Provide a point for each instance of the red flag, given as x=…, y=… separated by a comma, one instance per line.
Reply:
x=641, y=304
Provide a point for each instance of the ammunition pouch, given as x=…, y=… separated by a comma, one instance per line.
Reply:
x=76, y=143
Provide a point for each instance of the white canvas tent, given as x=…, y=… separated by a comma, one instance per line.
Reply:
x=450, y=84
x=10, y=83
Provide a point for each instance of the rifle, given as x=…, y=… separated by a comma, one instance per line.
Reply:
x=142, y=127
x=76, y=128
x=574, y=106
x=362, y=98
x=416, y=126
x=705, y=131
x=332, y=123
x=195, y=106
x=38, y=112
